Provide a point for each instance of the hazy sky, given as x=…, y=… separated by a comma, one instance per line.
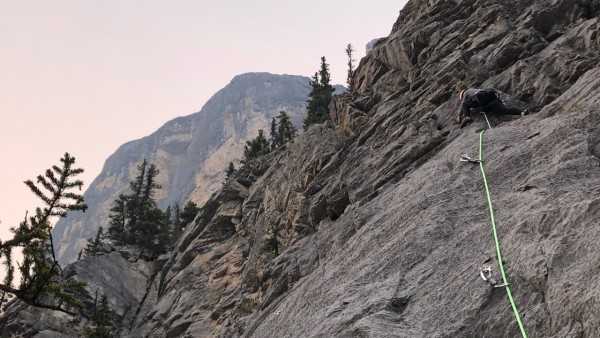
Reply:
x=84, y=77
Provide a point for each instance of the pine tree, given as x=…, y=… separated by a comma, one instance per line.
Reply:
x=148, y=225
x=94, y=245
x=104, y=314
x=282, y=132
x=190, y=210
x=41, y=283
x=162, y=237
x=181, y=218
x=349, y=51
x=256, y=147
x=275, y=137
x=286, y=129
x=119, y=221
x=230, y=170
x=314, y=102
x=103, y=317
x=319, y=96
x=134, y=200
x=135, y=219
x=141, y=203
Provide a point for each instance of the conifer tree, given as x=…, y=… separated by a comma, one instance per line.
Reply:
x=349, y=51
x=161, y=239
x=190, y=210
x=41, y=283
x=94, y=245
x=136, y=219
x=256, y=147
x=147, y=221
x=119, y=221
x=286, y=129
x=103, y=317
x=275, y=137
x=230, y=170
x=181, y=218
x=319, y=96
x=282, y=132
x=134, y=200
x=314, y=103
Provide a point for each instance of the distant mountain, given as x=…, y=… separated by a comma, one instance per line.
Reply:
x=191, y=152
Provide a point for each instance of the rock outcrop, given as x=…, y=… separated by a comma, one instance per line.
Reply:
x=191, y=152
x=380, y=229
x=123, y=275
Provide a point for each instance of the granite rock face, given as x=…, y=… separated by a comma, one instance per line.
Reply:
x=191, y=152
x=381, y=230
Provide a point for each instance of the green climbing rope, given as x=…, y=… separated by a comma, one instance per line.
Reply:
x=487, y=190
x=486, y=120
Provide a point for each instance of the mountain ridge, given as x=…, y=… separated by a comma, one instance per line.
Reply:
x=191, y=151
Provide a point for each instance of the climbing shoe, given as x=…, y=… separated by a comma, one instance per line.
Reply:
x=525, y=112
x=466, y=121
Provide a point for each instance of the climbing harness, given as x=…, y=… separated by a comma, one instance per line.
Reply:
x=487, y=190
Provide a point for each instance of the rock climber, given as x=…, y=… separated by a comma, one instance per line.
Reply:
x=486, y=275
x=486, y=99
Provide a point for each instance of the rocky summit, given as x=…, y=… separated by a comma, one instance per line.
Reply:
x=381, y=228
x=191, y=152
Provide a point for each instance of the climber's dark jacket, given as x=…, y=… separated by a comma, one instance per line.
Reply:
x=486, y=99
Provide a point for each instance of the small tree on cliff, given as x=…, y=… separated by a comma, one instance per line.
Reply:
x=119, y=221
x=349, y=51
x=283, y=131
x=189, y=212
x=135, y=218
x=230, y=170
x=319, y=97
x=95, y=244
x=103, y=317
x=275, y=138
x=41, y=283
x=181, y=218
x=256, y=147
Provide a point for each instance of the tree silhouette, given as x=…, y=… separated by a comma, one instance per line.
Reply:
x=41, y=283
x=319, y=97
x=230, y=170
x=103, y=317
x=135, y=218
x=94, y=245
x=349, y=51
x=256, y=147
x=282, y=131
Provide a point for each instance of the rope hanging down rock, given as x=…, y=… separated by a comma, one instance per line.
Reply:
x=487, y=191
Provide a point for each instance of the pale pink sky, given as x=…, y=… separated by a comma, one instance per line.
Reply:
x=84, y=77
